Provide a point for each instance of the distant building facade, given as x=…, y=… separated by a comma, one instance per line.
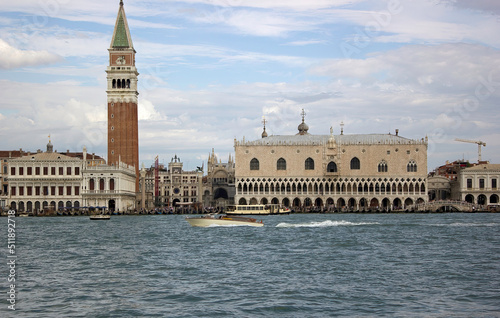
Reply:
x=218, y=185
x=176, y=187
x=109, y=187
x=443, y=181
x=464, y=181
x=5, y=157
x=51, y=181
x=479, y=184
x=359, y=172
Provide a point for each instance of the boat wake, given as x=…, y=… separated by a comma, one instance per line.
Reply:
x=326, y=223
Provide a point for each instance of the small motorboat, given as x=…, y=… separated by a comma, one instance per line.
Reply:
x=100, y=217
x=222, y=220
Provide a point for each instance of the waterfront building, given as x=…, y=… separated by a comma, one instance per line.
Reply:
x=305, y=171
x=176, y=187
x=218, y=185
x=122, y=97
x=109, y=187
x=444, y=180
x=5, y=156
x=464, y=181
x=479, y=184
x=46, y=182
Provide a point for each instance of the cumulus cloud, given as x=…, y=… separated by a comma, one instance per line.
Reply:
x=11, y=58
x=445, y=66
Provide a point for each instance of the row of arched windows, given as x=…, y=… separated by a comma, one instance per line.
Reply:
x=331, y=188
x=332, y=166
x=92, y=184
x=121, y=83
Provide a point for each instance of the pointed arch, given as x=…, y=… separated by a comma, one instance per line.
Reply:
x=254, y=164
x=332, y=167
x=355, y=164
x=281, y=164
x=309, y=164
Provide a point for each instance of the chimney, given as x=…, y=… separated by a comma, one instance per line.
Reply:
x=397, y=132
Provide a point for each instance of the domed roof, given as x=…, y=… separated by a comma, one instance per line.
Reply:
x=264, y=133
x=303, y=128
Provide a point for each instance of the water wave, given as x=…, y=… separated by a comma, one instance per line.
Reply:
x=457, y=224
x=327, y=223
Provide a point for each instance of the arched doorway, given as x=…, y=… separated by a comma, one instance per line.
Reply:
x=386, y=204
x=263, y=201
x=286, y=202
x=374, y=203
x=481, y=199
x=318, y=202
x=297, y=203
x=220, y=193
x=242, y=201
x=408, y=202
x=253, y=201
x=111, y=205
x=494, y=199
x=351, y=203
x=275, y=201
x=469, y=198
x=397, y=204
x=363, y=204
x=340, y=203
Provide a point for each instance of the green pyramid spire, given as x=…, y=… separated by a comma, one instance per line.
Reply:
x=120, y=39
x=121, y=35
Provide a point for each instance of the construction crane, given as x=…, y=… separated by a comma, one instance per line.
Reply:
x=479, y=144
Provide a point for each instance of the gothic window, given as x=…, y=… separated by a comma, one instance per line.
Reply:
x=309, y=164
x=281, y=164
x=412, y=166
x=355, y=164
x=254, y=164
x=332, y=167
x=382, y=166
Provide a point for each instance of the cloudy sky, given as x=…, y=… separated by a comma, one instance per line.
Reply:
x=211, y=69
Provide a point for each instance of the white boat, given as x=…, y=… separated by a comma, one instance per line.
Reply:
x=257, y=209
x=100, y=217
x=224, y=220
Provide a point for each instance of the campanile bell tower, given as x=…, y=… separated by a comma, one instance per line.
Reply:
x=123, y=132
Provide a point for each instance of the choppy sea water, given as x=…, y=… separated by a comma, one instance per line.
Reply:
x=302, y=265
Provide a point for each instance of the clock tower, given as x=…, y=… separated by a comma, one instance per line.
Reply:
x=123, y=132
